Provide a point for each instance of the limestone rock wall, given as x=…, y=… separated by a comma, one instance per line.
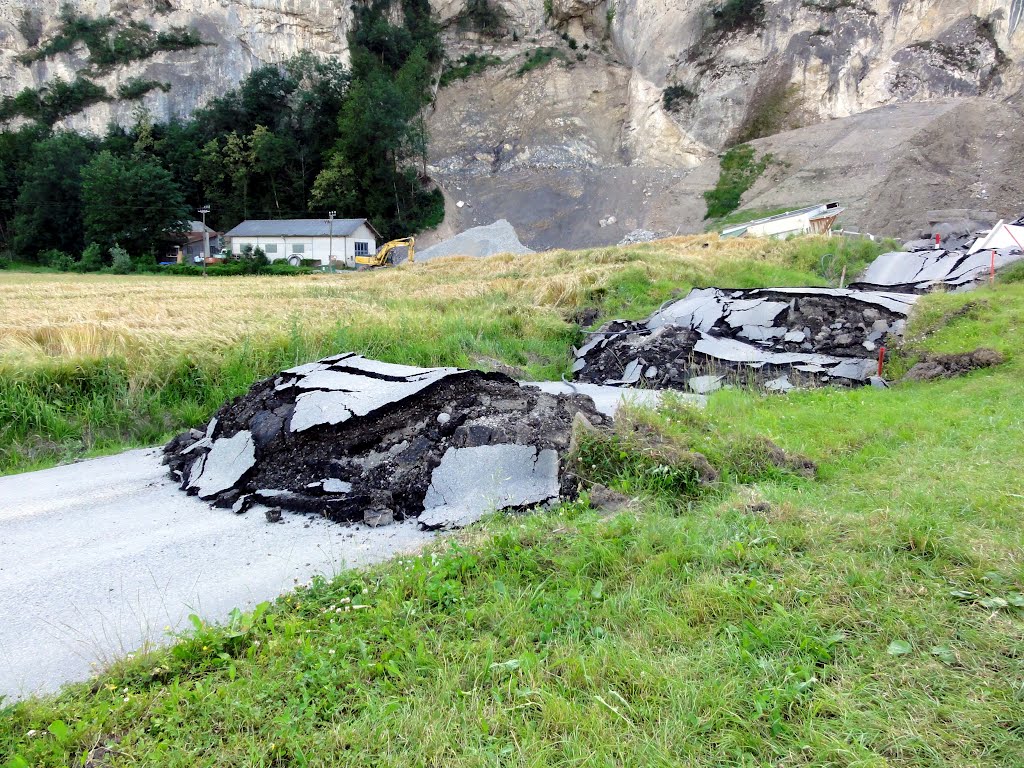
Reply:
x=241, y=35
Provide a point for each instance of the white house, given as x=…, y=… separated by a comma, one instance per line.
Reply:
x=815, y=218
x=298, y=240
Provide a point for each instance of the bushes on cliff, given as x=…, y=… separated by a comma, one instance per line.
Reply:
x=734, y=15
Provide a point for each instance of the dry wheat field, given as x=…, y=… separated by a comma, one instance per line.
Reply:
x=46, y=317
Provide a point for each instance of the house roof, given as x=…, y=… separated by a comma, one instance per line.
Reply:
x=298, y=228
x=197, y=237
x=198, y=226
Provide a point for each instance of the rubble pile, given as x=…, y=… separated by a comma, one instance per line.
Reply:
x=963, y=257
x=355, y=439
x=489, y=240
x=775, y=337
x=639, y=236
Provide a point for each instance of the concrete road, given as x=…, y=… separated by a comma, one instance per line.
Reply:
x=103, y=557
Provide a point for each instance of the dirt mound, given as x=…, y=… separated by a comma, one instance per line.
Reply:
x=949, y=366
x=490, y=240
x=359, y=440
x=775, y=337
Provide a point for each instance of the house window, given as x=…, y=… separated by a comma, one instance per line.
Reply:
x=362, y=248
x=270, y=249
x=245, y=247
x=298, y=248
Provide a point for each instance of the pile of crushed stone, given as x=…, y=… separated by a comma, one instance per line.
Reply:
x=489, y=240
x=778, y=338
x=355, y=439
x=639, y=236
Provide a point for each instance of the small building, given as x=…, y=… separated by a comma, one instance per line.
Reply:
x=192, y=250
x=299, y=240
x=815, y=219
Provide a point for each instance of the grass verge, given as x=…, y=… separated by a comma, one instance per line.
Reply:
x=869, y=616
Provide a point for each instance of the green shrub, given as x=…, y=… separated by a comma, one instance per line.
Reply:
x=539, y=57
x=734, y=15
x=467, y=66
x=110, y=42
x=92, y=258
x=739, y=170
x=138, y=87
x=53, y=101
x=120, y=261
x=58, y=260
x=673, y=97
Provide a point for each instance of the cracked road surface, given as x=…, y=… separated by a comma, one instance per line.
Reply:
x=98, y=558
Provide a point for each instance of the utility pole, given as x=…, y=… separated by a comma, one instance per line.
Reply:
x=206, y=237
x=330, y=257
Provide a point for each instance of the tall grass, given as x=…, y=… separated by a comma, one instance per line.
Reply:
x=96, y=362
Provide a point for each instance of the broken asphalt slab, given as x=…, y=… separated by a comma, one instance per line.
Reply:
x=964, y=259
x=97, y=558
x=359, y=440
x=778, y=338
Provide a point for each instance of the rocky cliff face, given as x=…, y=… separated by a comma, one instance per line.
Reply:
x=239, y=35
x=642, y=88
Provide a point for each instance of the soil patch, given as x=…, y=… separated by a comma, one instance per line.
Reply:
x=950, y=366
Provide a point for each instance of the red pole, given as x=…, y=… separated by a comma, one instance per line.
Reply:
x=938, y=240
x=881, y=359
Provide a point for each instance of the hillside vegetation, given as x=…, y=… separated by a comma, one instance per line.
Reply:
x=868, y=616
x=101, y=362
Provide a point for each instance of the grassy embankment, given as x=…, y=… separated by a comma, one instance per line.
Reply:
x=96, y=363
x=866, y=617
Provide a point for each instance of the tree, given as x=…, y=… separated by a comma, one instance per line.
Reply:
x=135, y=204
x=381, y=139
x=269, y=157
x=49, y=208
x=16, y=149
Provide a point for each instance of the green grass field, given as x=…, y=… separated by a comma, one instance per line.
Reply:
x=868, y=616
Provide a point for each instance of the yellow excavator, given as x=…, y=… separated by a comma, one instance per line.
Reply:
x=384, y=257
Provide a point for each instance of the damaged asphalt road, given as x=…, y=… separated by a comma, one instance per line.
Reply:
x=358, y=440
x=963, y=256
x=778, y=338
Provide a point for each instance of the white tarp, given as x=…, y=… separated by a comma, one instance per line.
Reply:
x=1002, y=236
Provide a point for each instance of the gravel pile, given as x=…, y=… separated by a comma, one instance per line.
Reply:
x=489, y=240
x=639, y=236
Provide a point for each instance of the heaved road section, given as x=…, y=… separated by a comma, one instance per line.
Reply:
x=98, y=559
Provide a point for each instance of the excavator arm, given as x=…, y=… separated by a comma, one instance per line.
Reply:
x=383, y=256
